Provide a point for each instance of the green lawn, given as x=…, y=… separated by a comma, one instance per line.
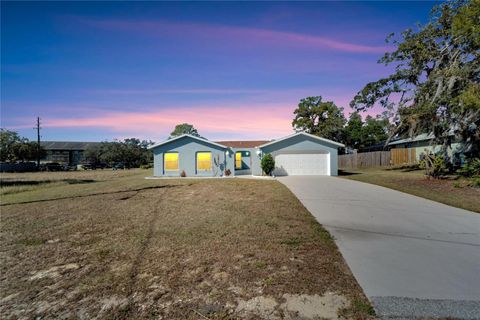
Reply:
x=452, y=192
x=112, y=245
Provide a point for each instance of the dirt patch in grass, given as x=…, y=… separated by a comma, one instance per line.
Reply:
x=455, y=193
x=195, y=250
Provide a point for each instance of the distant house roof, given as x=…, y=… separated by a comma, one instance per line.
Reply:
x=190, y=136
x=381, y=146
x=243, y=144
x=66, y=145
x=420, y=137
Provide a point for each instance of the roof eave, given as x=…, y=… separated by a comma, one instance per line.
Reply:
x=186, y=135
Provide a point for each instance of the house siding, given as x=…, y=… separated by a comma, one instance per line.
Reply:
x=187, y=149
x=223, y=157
x=305, y=144
x=421, y=146
x=251, y=163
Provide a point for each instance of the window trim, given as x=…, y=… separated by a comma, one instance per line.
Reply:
x=164, y=162
x=196, y=161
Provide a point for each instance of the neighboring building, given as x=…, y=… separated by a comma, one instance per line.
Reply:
x=297, y=154
x=381, y=146
x=65, y=152
x=423, y=143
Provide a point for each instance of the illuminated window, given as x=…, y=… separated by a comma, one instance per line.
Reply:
x=171, y=161
x=204, y=161
x=238, y=160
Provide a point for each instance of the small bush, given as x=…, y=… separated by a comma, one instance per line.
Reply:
x=267, y=164
x=457, y=184
x=434, y=166
x=183, y=174
x=470, y=168
x=146, y=166
x=475, y=183
x=228, y=172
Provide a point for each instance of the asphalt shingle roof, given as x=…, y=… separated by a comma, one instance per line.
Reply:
x=243, y=144
x=66, y=145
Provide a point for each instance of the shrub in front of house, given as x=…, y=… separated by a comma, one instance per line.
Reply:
x=183, y=174
x=268, y=164
x=228, y=172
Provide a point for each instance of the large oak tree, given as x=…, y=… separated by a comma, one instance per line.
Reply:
x=321, y=118
x=435, y=86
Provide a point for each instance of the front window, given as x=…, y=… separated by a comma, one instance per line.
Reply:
x=171, y=161
x=238, y=160
x=204, y=161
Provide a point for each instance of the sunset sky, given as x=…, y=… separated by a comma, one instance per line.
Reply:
x=96, y=71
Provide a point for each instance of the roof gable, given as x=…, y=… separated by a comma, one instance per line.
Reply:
x=185, y=136
x=306, y=135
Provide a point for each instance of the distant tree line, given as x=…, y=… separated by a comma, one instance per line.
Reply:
x=325, y=119
x=14, y=148
x=132, y=152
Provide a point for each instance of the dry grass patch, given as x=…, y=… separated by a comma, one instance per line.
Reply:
x=126, y=247
x=455, y=193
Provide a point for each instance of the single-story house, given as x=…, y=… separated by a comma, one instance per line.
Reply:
x=422, y=143
x=297, y=154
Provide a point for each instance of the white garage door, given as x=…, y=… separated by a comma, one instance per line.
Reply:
x=301, y=164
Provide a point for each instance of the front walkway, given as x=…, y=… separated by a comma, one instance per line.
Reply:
x=413, y=257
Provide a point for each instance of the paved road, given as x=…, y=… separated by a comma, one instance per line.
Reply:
x=413, y=257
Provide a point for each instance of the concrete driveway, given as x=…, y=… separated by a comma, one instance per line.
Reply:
x=413, y=257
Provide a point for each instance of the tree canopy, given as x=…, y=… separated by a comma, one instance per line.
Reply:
x=132, y=152
x=319, y=118
x=359, y=134
x=15, y=148
x=184, y=128
x=435, y=86
x=353, y=136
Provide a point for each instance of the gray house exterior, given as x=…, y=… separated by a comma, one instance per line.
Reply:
x=423, y=143
x=297, y=154
x=305, y=144
x=187, y=147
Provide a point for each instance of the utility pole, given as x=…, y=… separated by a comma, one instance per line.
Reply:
x=38, y=142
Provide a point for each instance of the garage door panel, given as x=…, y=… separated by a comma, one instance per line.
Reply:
x=301, y=164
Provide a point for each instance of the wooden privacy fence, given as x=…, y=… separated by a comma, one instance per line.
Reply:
x=403, y=156
x=377, y=159
x=364, y=160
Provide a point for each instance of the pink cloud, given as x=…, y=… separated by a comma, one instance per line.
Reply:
x=217, y=120
x=238, y=35
x=179, y=91
x=253, y=122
